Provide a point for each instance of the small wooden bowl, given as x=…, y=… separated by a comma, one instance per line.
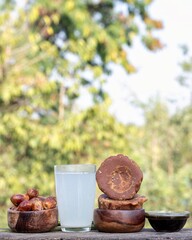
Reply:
x=167, y=221
x=119, y=221
x=32, y=221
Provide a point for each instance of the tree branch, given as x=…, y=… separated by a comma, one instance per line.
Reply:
x=61, y=104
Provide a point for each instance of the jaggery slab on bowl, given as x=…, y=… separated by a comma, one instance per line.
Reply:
x=167, y=221
x=32, y=221
x=119, y=221
x=119, y=177
x=104, y=202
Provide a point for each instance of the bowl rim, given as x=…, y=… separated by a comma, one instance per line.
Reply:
x=9, y=210
x=120, y=210
x=167, y=215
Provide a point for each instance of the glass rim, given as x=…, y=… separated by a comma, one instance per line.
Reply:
x=88, y=167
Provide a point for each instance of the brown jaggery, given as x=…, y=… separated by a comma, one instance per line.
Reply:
x=119, y=177
x=104, y=202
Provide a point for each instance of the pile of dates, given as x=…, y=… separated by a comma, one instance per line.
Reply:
x=31, y=201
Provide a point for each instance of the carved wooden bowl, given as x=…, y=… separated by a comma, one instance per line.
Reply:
x=119, y=221
x=32, y=221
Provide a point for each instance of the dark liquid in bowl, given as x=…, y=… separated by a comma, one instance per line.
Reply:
x=167, y=225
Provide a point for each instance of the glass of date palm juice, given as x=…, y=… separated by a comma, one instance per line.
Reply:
x=75, y=192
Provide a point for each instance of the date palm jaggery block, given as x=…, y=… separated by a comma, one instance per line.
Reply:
x=119, y=177
x=104, y=202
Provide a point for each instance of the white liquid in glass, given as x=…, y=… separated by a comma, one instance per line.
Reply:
x=75, y=198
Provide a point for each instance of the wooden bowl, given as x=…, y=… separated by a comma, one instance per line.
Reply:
x=32, y=221
x=167, y=221
x=119, y=221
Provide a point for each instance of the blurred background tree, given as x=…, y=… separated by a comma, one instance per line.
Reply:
x=52, y=53
x=185, y=78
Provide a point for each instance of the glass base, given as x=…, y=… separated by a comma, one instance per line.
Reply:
x=79, y=229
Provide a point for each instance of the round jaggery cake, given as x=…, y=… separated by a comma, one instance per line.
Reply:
x=119, y=177
x=104, y=202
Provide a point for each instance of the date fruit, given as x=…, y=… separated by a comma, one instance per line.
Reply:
x=49, y=202
x=32, y=193
x=24, y=206
x=16, y=199
x=36, y=204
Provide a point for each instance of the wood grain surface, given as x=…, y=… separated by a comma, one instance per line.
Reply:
x=184, y=234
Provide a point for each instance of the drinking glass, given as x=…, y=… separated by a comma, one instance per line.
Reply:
x=75, y=192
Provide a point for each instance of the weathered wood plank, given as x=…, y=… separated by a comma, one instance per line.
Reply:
x=146, y=234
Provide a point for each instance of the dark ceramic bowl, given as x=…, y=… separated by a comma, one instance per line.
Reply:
x=167, y=221
x=32, y=221
x=119, y=221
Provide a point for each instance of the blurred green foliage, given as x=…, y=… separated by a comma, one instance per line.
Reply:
x=49, y=52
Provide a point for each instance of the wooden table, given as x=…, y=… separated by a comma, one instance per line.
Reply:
x=147, y=234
